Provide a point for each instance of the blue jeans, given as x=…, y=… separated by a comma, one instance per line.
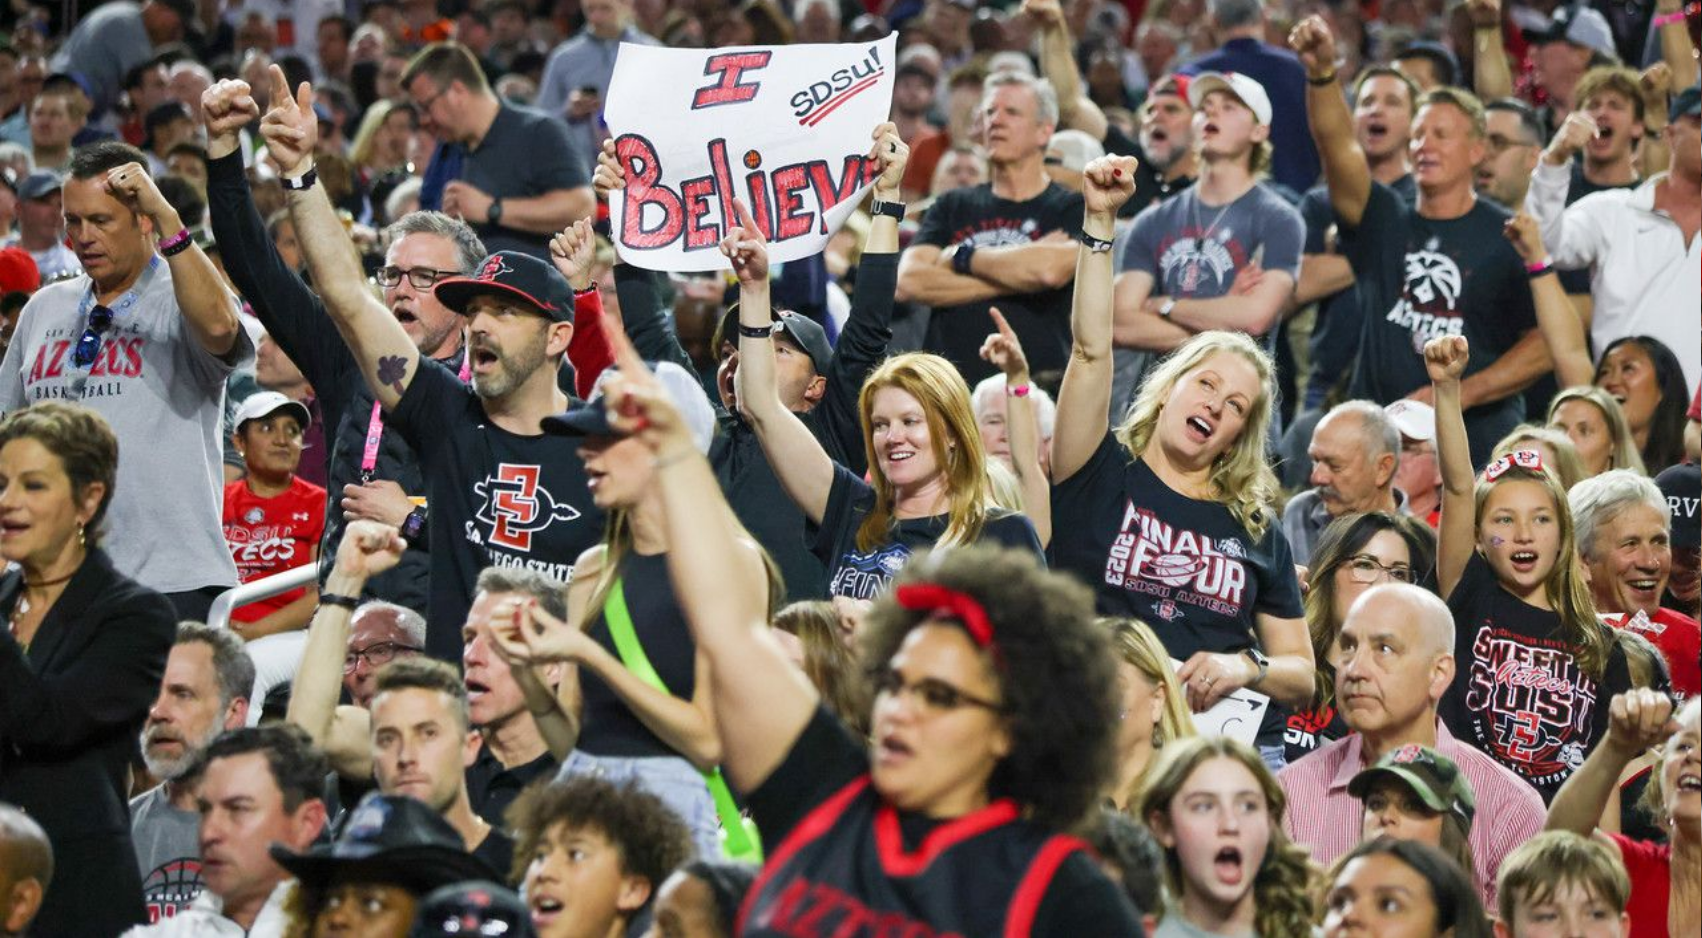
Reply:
x=671, y=779
x=1276, y=757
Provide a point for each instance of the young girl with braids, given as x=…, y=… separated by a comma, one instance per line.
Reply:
x=1536, y=668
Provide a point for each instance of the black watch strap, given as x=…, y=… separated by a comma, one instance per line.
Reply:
x=414, y=525
x=337, y=599
x=889, y=209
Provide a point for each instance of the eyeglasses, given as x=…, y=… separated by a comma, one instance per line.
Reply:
x=1365, y=569
x=431, y=99
x=381, y=653
x=422, y=278
x=936, y=696
x=88, y=346
x=1495, y=143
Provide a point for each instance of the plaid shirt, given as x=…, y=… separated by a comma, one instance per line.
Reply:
x=1323, y=817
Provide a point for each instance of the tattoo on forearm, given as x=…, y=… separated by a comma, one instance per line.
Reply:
x=393, y=370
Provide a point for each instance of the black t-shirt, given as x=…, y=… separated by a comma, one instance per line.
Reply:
x=1422, y=278
x=525, y=153
x=497, y=852
x=968, y=878
x=1184, y=566
x=867, y=574
x=1312, y=729
x=1340, y=320
x=1518, y=694
x=610, y=728
x=976, y=216
x=497, y=498
x=492, y=786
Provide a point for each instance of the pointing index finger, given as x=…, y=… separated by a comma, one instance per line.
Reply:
x=280, y=86
x=999, y=320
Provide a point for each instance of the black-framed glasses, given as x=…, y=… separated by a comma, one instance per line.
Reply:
x=936, y=696
x=1366, y=569
x=376, y=655
x=421, y=278
x=1495, y=143
x=88, y=346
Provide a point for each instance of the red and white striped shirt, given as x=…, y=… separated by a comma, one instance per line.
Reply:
x=1327, y=820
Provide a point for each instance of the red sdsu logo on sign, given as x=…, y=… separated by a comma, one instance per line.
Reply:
x=516, y=506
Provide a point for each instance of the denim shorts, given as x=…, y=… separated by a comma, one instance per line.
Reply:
x=671, y=779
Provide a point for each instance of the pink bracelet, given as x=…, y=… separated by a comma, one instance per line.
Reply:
x=175, y=244
x=1018, y=390
x=1667, y=19
x=1541, y=265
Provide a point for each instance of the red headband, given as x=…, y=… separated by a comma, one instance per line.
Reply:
x=1522, y=459
x=932, y=597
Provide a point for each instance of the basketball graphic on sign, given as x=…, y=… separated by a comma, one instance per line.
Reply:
x=1172, y=569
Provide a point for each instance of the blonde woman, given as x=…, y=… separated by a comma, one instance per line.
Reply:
x=1596, y=425
x=1153, y=710
x=928, y=484
x=1171, y=516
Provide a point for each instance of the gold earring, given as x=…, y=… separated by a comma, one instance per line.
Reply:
x=81, y=539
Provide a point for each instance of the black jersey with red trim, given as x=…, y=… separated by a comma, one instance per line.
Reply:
x=844, y=862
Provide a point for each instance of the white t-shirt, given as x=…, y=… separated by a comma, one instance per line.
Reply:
x=163, y=394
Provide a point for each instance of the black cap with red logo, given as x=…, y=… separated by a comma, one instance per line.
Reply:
x=513, y=275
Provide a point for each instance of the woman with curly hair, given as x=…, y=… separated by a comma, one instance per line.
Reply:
x=1595, y=423
x=1172, y=515
x=1153, y=710
x=1217, y=811
x=992, y=730
x=1355, y=553
x=928, y=484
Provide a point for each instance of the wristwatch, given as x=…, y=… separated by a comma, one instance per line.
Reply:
x=1167, y=307
x=414, y=523
x=493, y=215
x=1263, y=663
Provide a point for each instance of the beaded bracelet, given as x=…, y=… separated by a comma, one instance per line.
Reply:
x=176, y=244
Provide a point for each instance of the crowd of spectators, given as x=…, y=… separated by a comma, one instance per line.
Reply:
x=386, y=556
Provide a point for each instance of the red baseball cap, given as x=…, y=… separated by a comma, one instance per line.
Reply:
x=18, y=273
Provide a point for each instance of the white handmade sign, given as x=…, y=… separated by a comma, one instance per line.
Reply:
x=784, y=129
x=1237, y=715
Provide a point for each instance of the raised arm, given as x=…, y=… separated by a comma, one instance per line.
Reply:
x=1557, y=319
x=1655, y=84
x=760, y=700
x=1445, y=359
x=368, y=548
x=208, y=308
x=1084, y=401
x=1058, y=65
x=1491, y=76
x=1637, y=720
x=388, y=359
x=803, y=467
x=1345, y=168
x=1003, y=351
x=1677, y=51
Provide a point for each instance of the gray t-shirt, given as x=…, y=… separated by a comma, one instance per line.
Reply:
x=168, y=852
x=163, y=394
x=106, y=43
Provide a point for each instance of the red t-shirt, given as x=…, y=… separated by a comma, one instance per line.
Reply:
x=1650, y=868
x=1679, y=638
x=271, y=535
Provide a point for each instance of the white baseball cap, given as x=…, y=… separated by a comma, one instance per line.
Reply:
x=1415, y=419
x=266, y=403
x=1243, y=87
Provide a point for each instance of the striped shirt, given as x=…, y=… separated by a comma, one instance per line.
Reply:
x=1327, y=820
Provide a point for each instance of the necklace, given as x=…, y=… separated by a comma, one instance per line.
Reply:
x=24, y=606
x=1192, y=272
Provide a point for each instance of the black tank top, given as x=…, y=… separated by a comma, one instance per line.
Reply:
x=610, y=728
x=844, y=869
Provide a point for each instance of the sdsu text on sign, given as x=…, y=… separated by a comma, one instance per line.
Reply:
x=784, y=129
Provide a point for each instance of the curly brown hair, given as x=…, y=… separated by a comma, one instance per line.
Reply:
x=651, y=838
x=1055, y=667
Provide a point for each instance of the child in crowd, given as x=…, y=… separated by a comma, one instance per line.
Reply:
x=1558, y=883
x=273, y=518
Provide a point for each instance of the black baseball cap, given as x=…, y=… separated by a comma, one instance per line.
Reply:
x=389, y=839
x=1682, y=485
x=804, y=333
x=476, y=908
x=512, y=274
x=1434, y=777
x=682, y=388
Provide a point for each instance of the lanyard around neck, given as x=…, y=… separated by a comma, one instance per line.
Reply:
x=375, y=426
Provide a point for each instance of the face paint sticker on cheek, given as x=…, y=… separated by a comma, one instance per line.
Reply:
x=1496, y=540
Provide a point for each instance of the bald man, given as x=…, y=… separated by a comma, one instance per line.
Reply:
x=1393, y=659
x=26, y=867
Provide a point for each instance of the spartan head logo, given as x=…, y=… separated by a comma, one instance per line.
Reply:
x=494, y=266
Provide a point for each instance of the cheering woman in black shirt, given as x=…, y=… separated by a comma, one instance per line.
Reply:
x=1170, y=515
x=992, y=731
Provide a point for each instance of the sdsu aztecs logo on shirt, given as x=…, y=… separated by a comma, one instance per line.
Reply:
x=1177, y=565
x=1531, y=702
x=517, y=506
x=1428, y=307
